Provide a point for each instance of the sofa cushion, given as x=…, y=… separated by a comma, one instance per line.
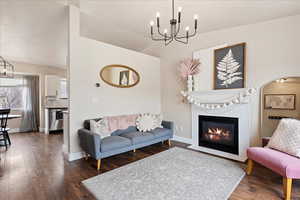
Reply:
x=282, y=163
x=127, y=130
x=147, y=122
x=138, y=137
x=161, y=132
x=100, y=127
x=86, y=123
x=114, y=142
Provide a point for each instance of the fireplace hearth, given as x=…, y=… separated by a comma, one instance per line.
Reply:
x=219, y=133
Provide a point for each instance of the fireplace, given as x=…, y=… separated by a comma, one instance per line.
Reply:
x=219, y=133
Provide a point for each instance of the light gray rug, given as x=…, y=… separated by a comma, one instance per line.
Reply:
x=175, y=174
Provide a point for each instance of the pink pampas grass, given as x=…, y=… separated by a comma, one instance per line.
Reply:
x=188, y=67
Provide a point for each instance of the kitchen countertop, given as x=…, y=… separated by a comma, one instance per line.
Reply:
x=56, y=107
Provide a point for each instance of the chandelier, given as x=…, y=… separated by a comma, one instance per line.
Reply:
x=6, y=69
x=174, y=29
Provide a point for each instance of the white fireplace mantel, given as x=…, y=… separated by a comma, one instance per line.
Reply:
x=241, y=111
x=219, y=99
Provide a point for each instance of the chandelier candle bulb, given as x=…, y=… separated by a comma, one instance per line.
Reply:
x=187, y=32
x=157, y=19
x=157, y=15
x=165, y=33
x=196, y=21
x=151, y=24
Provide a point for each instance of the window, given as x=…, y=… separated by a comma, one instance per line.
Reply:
x=13, y=89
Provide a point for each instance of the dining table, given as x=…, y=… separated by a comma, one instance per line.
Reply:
x=11, y=116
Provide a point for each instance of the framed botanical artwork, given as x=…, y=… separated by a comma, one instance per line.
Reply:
x=229, y=67
x=280, y=101
x=124, y=78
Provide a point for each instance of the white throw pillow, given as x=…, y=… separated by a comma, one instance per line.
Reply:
x=148, y=122
x=286, y=137
x=100, y=127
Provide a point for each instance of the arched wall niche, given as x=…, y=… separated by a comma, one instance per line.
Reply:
x=279, y=98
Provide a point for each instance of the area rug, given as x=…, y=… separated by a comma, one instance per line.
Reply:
x=175, y=174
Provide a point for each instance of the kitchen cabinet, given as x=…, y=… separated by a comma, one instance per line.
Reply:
x=63, y=91
x=56, y=86
x=52, y=85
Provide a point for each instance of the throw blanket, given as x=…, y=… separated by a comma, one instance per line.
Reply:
x=120, y=122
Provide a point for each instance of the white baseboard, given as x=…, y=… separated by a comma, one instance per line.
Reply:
x=42, y=130
x=182, y=139
x=65, y=149
x=14, y=130
x=75, y=156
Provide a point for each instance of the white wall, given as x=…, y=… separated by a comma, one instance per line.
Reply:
x=87, y=58
x=272, y=51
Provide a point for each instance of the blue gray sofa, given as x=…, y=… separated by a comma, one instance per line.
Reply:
x=121, y=140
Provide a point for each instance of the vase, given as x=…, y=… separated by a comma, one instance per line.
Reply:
x=190, y=83
x=195, y=83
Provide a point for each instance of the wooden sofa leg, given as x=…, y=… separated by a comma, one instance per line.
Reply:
x=249, y=167
x=287, y=188
x=169, y=142
x=86, y=156
x=98, y=164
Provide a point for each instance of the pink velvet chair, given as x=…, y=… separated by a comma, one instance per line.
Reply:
x=285, y=165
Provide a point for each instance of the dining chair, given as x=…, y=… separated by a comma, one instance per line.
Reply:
x=3, y=127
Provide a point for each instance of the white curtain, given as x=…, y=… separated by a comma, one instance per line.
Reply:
x=30, y=112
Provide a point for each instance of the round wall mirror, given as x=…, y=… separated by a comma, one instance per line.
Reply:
x=120, y=76
x=279, y=99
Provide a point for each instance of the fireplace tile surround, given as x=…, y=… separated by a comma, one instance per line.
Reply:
x=239, y=112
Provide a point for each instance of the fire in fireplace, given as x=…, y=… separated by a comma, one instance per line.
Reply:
x=220, y=133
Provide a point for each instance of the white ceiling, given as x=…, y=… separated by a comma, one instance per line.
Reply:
x=35, y=31
x=126, y=22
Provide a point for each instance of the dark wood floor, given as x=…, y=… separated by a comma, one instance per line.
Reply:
x=33, y=168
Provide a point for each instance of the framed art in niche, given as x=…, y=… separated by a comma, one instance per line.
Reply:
x=280, y=101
